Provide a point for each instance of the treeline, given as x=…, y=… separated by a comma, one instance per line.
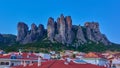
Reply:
x=46, y=46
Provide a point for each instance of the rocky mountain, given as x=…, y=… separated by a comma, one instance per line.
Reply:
x=93, y=33
x=7, y=39
x=1, y=38
x=28, y=36
x=63, y=31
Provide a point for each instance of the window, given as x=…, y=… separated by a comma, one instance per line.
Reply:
x=2, y=63
x=7, y=63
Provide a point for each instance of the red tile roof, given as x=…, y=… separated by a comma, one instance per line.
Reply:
x=59, y=64
x=5, y=56
x=24, y=55
x=94, y=55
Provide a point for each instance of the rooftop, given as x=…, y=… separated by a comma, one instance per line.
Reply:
x=59, y=64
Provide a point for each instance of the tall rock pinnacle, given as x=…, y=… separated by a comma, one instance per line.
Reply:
x=28, y=36
x=50, y=29
x=41, y=30
x=69, y=32
x=22, y=31
x=62, y=31
x=32, y=36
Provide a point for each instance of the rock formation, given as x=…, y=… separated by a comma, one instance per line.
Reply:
x=94, y=34
x=80, y=36
x=62, y=31
x=69, y=32
x=28, y=36
x=31, y=35
x=41, y=30
x=7, y=39
x=22, y=31
x=50, y=29
x=1, y=38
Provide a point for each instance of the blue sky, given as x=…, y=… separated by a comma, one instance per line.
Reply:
x=106, y=12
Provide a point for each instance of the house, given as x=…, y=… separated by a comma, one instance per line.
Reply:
x=116, y=62
x=58, y=64
x=16, y=58
x=94, y=58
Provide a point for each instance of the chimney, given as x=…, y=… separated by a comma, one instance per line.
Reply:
x=39, y=61
x=24, y=64
x=67, y=61
x=31, y=63
x=28, y=56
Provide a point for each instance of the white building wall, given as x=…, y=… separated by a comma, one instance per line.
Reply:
x=96, y=61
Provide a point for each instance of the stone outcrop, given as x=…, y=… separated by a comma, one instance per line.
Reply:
x=69, y=32
x=31, y=35
x=41, y=30
x=7, y=39
x=1, y=38
x=94, y=34
x=62, y=31
x=28, y=36
x=50, y=29
x=22, y=31
x=80, y=36
x=104, y=40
